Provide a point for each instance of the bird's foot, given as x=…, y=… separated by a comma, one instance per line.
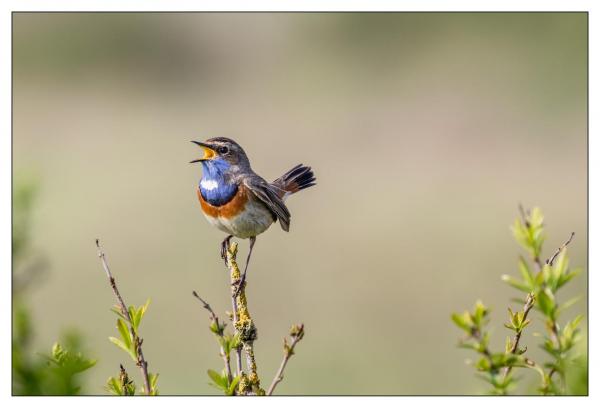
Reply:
x=225, y=247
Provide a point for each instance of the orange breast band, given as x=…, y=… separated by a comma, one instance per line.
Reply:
x=228, y=210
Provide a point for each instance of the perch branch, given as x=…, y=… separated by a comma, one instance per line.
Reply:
x=141, y=361
x=296, y=334
x=243, y=324
x=219, y=332
x=560, y=248
x=230, y=253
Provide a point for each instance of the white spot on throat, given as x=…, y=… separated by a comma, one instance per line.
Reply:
x=209, y=185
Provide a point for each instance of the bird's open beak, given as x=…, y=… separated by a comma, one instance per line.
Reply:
x=208, y=152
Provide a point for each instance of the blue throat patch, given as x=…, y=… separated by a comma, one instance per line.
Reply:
x=213, y=187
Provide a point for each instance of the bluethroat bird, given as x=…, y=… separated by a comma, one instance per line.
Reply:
x=238, y=201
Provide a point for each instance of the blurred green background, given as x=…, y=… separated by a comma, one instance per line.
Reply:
x=425, y=131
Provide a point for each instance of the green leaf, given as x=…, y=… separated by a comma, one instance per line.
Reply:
x=554, y=279
x=561, y=264
x=515, y=283
x=520, y=316
x=236, y=341
x=575, y=322
x=125, y=333
x=227, y=343
x=512, y=320
x=546, y=302
x=57, y=352
x=565, y=305
x=548, y=346
x=116, y=387
x=153, y=380
x=219, y=381
x=460, y=322
x=138, y=314
x=132, y=313
x=135, y=318
x=536, y=218
x=539, y=279
x=485, y=341
x=508, y=345
x=214, y=327
x=479, y=313
x=566, y=277
x=470, y=345
x=143, y=309
x=507, y=360
x=483, y=364
x=83, y=364
x=233, y=385
x=129, y=389
x=526, y=274
x=547, y=274
x=530, y=236
x=117, y=310
x=64, y=364
x=534, y=236
x=121, y=345
x=569, y=333
x=520, y=234
x=113, y=386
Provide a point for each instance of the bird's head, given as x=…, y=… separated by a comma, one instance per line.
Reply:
x=221, y=150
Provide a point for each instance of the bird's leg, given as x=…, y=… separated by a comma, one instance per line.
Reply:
x=224, y=247
x=243, y=278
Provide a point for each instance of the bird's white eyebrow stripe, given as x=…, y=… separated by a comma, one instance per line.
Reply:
x=209, y=184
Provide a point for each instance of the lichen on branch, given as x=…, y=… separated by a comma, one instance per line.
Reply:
x=246, y=381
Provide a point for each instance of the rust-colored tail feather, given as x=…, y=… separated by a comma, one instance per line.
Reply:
x=298, y=178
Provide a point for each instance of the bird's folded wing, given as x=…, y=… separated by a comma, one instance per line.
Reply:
x=266, y=193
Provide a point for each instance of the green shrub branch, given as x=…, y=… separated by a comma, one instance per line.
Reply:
x=540, y=281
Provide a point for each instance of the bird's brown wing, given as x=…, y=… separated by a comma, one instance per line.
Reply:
x=270, y=197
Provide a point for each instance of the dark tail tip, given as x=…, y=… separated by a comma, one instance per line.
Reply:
x=298, y=178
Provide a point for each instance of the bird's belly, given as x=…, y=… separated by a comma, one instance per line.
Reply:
x=241, y=217
x=253, y=220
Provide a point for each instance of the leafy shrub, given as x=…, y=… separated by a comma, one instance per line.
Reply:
x=540, y=281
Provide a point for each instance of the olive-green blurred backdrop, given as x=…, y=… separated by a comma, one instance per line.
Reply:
x=424, y=130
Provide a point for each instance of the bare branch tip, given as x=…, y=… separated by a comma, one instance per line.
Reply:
x=523, y=213
x=550, y=260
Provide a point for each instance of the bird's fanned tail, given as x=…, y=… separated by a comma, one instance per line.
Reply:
x=296, y=179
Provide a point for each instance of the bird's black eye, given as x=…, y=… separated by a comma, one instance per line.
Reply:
x=222, y=149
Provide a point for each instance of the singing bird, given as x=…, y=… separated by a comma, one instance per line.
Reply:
x=238, y=201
